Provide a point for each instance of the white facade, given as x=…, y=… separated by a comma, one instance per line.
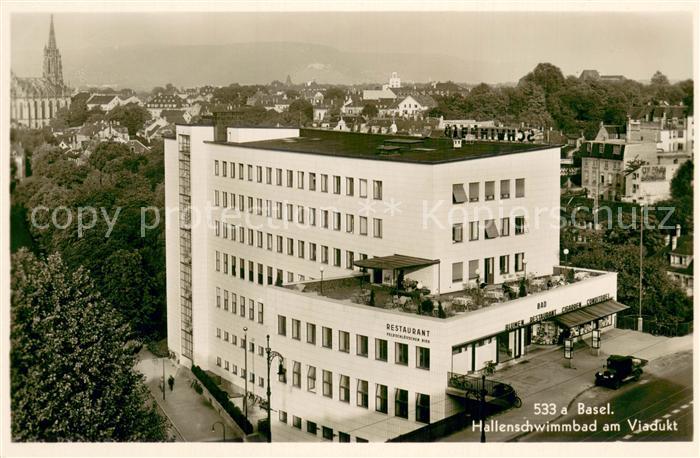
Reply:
x=411, y=209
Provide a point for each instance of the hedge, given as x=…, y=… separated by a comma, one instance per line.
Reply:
x=222, y=398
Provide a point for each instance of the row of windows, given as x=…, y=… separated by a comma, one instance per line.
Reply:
x=287, y=178
x=223, y=262
x=230, y=299
x=459, y=195
x=312, y=428
x=491, y=230
x=234, y=370
x=329, y=219
x=381, y=346
x=474, y=274
x=362, y=394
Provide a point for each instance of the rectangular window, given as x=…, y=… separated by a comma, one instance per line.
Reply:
x=362, y=393
x=216, y=198
x=519, y=225
x=242, y=307
x=363, y=187
x=260, y=311
x=336, y=184
x=349, y=186
x=377, y=228
x=362, y=343
x=281, y=325
x=290, y=178
x=296, y=374
x=473, y=267
x=324, y=219
x=311, y=427
x=283, y=416
x=290, y=212
x=258, y=207
x=505, y=227
x=401, y=404
x=300, y=249
x=224, y=199
x=312, y=251
x=380, y=403
x=457, y=233
x=268, y=175
x=490, y=190
x=324, y=183
x=473, y=192
x=233, y=169
x=300, y=214
x=457, y=272
x=218, y=297
x=349, y=223
x=422, y=408
x=224, y=168
x=474, y=230
x=344, y=341
x=258, y=174
x=278, y=177
x=327, y=433
x=377, y=190
x=504, y=264
x=311, y=333
x=290, y=246
x=401, y=350
x=241, y=203
x=240, y=171
x=344, y=388
x=259, y=238
x=296, y=422
x=327, y=337
x=343, y=437
x=312, y=216
x=251, y=309
x=311, y=379
x=250, y=172
x=312, y=181
x=349, y=259
x=519, y=258
x=336, y=221
x=381, y=350
x=422, y=358
x=520, y=187
x=234, y=298
x=328, y=384
x=218, y=261
x=324, y=254
x=226, y=300
x=278, y=210
x=490, y=229
x=336, y=257
x=458, y=194
x=296, y=329
x=505, y=189
x=280, y=242
x=217, y=228
x=363, y=225
x=216, y=168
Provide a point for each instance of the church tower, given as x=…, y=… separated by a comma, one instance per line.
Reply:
x=52, y=59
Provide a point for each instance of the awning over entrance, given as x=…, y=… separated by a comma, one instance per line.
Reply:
x=394, y=262
x=588, y=314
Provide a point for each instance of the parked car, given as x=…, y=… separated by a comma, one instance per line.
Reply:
x=619, y=369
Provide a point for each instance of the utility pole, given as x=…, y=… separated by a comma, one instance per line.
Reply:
x=640, y=323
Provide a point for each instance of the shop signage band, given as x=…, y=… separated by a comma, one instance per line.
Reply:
x=552, y=313
x=408, y=332
x=508, y=134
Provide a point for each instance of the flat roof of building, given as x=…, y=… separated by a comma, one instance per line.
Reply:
x=395, y=148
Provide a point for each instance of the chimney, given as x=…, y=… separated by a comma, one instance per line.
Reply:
x=678, y=230
x=674, y=243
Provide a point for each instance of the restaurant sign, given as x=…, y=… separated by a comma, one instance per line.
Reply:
x=400, y=331
x=565, y=309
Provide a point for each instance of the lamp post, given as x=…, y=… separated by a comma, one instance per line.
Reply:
x=271, y=354
x=245, y=369
x=566, y=255
x=321, y=280
x=640, y=323
x=223, y=427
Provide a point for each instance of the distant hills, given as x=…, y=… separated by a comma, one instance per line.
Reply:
x=143, y=67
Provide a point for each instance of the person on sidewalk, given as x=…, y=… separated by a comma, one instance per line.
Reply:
x=171, y=382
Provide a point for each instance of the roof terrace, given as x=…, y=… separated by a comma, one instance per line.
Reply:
x=414, y=299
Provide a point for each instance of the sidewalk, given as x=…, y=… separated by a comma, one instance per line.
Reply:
x=189, y=412
x=544, y=377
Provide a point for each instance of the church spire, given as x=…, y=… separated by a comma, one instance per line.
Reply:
x=52, y=36
x=53, y=70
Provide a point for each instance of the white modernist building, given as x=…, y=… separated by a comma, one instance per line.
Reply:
x=332, y=243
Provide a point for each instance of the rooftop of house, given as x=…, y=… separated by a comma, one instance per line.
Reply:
x=101, y=99
x=422, y=150
x=358, y=290
x=684, y=245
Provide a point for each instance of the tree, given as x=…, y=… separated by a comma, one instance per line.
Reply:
x=131, y=116
x=659, y=79
x=334, y=95
x=370, y=110
x=301, y=110
x=71, y=360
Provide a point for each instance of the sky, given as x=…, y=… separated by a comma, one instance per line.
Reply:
x=631, y=44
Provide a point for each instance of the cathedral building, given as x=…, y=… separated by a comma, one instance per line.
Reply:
x=35, y=100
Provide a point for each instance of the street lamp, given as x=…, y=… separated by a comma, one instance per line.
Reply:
x=566, y=255
x=223, y=427
x=245, y=370
x=321, y=280
x=271, y=354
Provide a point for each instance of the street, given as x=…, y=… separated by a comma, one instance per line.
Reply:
x=663, y=395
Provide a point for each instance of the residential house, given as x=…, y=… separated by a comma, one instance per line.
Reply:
x=681, y=260
x=104, y=102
